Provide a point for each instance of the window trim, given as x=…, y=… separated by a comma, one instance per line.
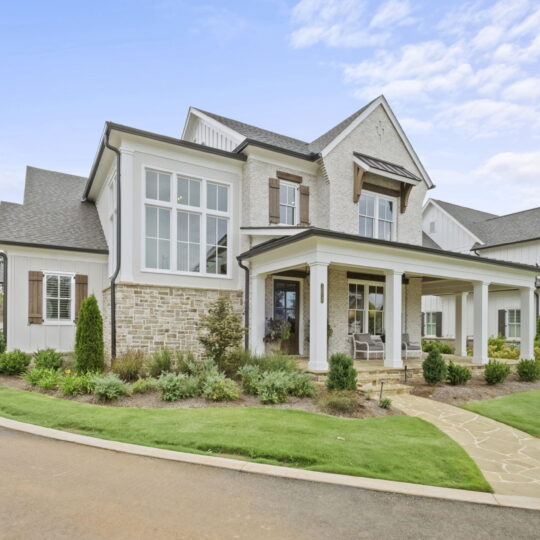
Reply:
x=58, y=322
x=514, y=324
x=426, y=334
x=296, y=187
x=201, y=210
x=366, y=284
x=394, y=200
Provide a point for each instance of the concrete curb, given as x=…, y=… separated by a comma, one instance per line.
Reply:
x=402, y=488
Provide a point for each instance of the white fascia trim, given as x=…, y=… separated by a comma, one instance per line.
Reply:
x=381, y=100
x=361, y=163
x=239, y=138
x=453, y=219
x=271, y=231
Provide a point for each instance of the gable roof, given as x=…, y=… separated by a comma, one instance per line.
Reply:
x=428, y=242
x=466, y=216
x=52, y=215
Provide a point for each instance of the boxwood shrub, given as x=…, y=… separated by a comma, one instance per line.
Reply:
x=342, y=375
x=528, y=370
x=496, y=372
x=14, y=362
x=48, y=359
x=434, y=367
x=458, y=374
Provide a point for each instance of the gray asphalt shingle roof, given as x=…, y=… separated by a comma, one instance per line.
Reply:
x=428, y=242
x=466, y=216
x=52, y=214
x=387, y=166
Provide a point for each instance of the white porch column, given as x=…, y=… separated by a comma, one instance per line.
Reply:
x=258, y=314
x=392, y=319
x=318, y=316
x=480, y=351
x=527, y=323
x=461, y=324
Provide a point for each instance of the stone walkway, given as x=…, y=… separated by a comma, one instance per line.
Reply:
x=508, y=458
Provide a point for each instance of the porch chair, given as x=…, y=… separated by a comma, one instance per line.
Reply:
x=409, y=348
x=367, y=345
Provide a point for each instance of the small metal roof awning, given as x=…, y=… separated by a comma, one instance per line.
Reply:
x=385, y=168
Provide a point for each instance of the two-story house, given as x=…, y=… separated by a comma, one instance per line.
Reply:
x=511, y=237
x=324, y=234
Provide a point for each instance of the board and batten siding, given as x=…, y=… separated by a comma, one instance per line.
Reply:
x=21, y=261
x=525, y=252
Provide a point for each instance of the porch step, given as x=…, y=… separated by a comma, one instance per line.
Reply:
x=388, y=390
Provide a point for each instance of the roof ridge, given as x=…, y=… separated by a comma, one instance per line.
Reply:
x=514, y=213
x=467, y=208
x=31, y=167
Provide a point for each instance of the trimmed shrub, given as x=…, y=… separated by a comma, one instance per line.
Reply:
x=109, y=387
x=275, y=362
x=89, y=356
x=249, y=375
x=2, y=343
x=341, y=401
x=77, y=385
x=496, y=372
x=219, y=388
x=528, y=370
x=141, y=386
x=48, y=359
x=174, y=387
x=14, y=362
x=385, y=403
x=443, y=348
x=342, y=375
x=128, y=366
x=222, y=330
x=434, y=367
x=160, y=363
x=274, y=386
x=458, y=374
x=301, y=385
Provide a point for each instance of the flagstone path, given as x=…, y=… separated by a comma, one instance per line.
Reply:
x=508, y=458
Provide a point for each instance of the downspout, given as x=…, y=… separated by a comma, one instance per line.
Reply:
x=3, y=256
x=246, y=304
x=118, y=244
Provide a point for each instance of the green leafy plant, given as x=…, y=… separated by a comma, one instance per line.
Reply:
x=443, y=348
x=48, y=358
x=174, y=387
x=2, y=342
x=73, y=384
x=342, y=375
x=89, y=355
x=128, y=366
x=301, y=385
x=184, y=362
x=35, y=375
x=496, y=372
x=222, y=330
x=142, y=386
x=14, y=362
x=340, y=401
x=274, y=386
x=537, y=337
x=220, y=388
x=528, y=370
x=277, y=330
x=434, y=367
x=109, y=387
x=50, y=379
x=250, y=375
x=161, y=362
x=234, y=360
x=458, y=374
x=385, y=403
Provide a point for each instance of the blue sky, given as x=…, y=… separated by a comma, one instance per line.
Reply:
x=462, y=77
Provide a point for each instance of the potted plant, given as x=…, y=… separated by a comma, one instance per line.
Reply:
x=277, y=331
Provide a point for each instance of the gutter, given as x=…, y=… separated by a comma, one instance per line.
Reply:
x=246, y=303
x=3, y=256
x=251, y=142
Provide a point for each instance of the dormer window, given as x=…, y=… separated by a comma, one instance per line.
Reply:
x=376, y=216
x=288, y=203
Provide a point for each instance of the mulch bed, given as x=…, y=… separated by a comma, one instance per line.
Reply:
x=475, y=389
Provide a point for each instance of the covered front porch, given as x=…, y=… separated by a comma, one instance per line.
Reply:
x=347, y=283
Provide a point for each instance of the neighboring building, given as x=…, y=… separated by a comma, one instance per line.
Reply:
x=323, y=234
x=512, y=237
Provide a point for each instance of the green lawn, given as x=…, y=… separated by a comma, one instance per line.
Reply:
x=521, y=410
x=394, y=448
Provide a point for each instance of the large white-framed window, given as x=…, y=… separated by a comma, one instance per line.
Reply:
x=365, y=308
x=514, y=323
x=377, y=216
x=288, y=203
x=58, y=297
x=430, y=324
x=187, y=224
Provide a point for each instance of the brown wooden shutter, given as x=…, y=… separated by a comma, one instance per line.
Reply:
x=423, y=325
x=438, y=323
x=358, y=180
x=502, y=322
x=35, y=297
x=304, y=205
x=81, y=292
x=273, y=200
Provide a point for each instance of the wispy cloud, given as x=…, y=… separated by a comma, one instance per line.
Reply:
x=392, y=12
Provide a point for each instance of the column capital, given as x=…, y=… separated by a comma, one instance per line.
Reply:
x=394, y=272
x=318, y=263
x=481, y=282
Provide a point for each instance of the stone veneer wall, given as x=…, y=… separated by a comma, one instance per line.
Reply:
x=151, y=317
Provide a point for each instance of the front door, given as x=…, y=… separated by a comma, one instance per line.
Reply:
x=287, y=308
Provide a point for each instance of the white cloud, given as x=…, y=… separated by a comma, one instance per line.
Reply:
x=487, y=37
x=524, y=90
x=393, y=12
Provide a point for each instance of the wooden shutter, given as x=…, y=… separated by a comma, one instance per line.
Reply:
x=358, y=180
x=304, y=205
x=35, y=297
x=438, y=323
x=502, y=322
x=81, y=292
x=273, y=200
x=423, y=325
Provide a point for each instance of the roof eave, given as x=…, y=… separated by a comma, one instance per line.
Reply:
x=251, y=142
x=55, y=247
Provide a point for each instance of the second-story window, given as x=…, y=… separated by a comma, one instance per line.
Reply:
x=376, y=216
x=288, y=203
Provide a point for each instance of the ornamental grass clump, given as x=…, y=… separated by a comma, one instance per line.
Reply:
x=458, y=374
x=128, y=366
x=161, y=362
x=89, y=355
x=174, y=387
x=434, y=367
x=528, y=370
x=342, y=375
x=496, y=372
x=48, y=359
x=14, y=362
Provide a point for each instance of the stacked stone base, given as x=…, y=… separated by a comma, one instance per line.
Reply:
x=149, y=317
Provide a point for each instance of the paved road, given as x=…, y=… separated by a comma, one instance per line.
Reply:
x=53, y=489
